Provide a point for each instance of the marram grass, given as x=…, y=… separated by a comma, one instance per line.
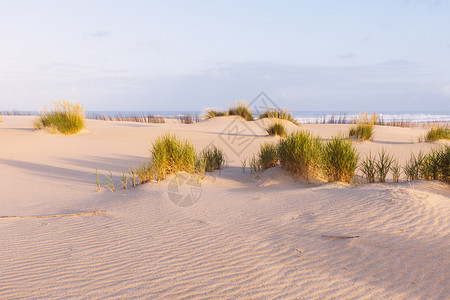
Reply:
x=62, y=116
x=213, y=158
x=438, y=133
x=299, y=153
x=339, y=160
x=170, y=155
x=242, y=109
x=364, y=127
x=276, y=128
x=278, y=113
x=267, y=157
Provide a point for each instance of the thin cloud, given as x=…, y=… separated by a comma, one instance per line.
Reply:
x=347, y=55
x=99, y=34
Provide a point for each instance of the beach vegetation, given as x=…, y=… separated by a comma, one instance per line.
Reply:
x=170, y=155
x=299, y=153
x=364, y=127
x=212, y=113
x=278, y=113
x=339, y=160
x=395, y=170
x=213, y=157
x=267, y=156
x=413, y=166
x=277, y=128
x=368, y=167
x=383, y=165
x=242, y=109
x=110, y=182
x=62, y=116
x=438, y=133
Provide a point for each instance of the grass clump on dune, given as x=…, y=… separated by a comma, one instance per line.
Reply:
x=364, y=128
x=276, y=128
x=213, y=158
x=62, y=116
x=278, y=113
x=299, y=153
x=212, y=113
x=242, y=109
x=267, y=156
x=436, y=165
x=339, y=160
x=171, y=155
x=438, y=133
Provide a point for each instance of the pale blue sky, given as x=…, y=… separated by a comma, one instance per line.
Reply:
x=187, y=55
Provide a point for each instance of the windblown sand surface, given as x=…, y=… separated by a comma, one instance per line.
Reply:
x=246, y=235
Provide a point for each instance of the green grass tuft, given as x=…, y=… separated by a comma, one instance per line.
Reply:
x=212, y=113
x=62, y=116
x=242, y=109
x=436, y=165
x=277, y=128
x=367, y=167
x=364, y=128
x=278, y=113
x=413, y=166
x=383, y=165
x=171, y=155
x=299, y=153
x=213, y=157
x=267, y=156
x=438, y=133
x=339, y=160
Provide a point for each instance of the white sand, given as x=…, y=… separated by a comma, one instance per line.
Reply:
x=248, y=236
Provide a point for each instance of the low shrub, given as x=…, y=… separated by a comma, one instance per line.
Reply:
x=276, y=128
x=62, y=116
x=438, y=133
x=299, y=153
x=242, y=109
x=339, y=160
x=213, y=158
x=364, y=127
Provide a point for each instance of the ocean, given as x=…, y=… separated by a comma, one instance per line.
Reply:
x=305, y=116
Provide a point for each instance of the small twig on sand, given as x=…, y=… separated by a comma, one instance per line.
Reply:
x=94, y=213
x=340, y=236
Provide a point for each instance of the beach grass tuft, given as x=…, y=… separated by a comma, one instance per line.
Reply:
x=278, y=113
x=339, y=160
x=170, y=155
x=364, y=127
x=277, y=128
x=242, y=109
x=438, y=133
x=212, y=113
x=383, y=165
x=267, y=156
x=213, y=157
x=413, y=166
x=299, y=153
x=368, y=167
x=62, y=116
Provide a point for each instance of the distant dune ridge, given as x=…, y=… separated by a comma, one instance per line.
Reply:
x=246, y=235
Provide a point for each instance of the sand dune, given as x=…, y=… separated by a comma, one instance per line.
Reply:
x=246, y=236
